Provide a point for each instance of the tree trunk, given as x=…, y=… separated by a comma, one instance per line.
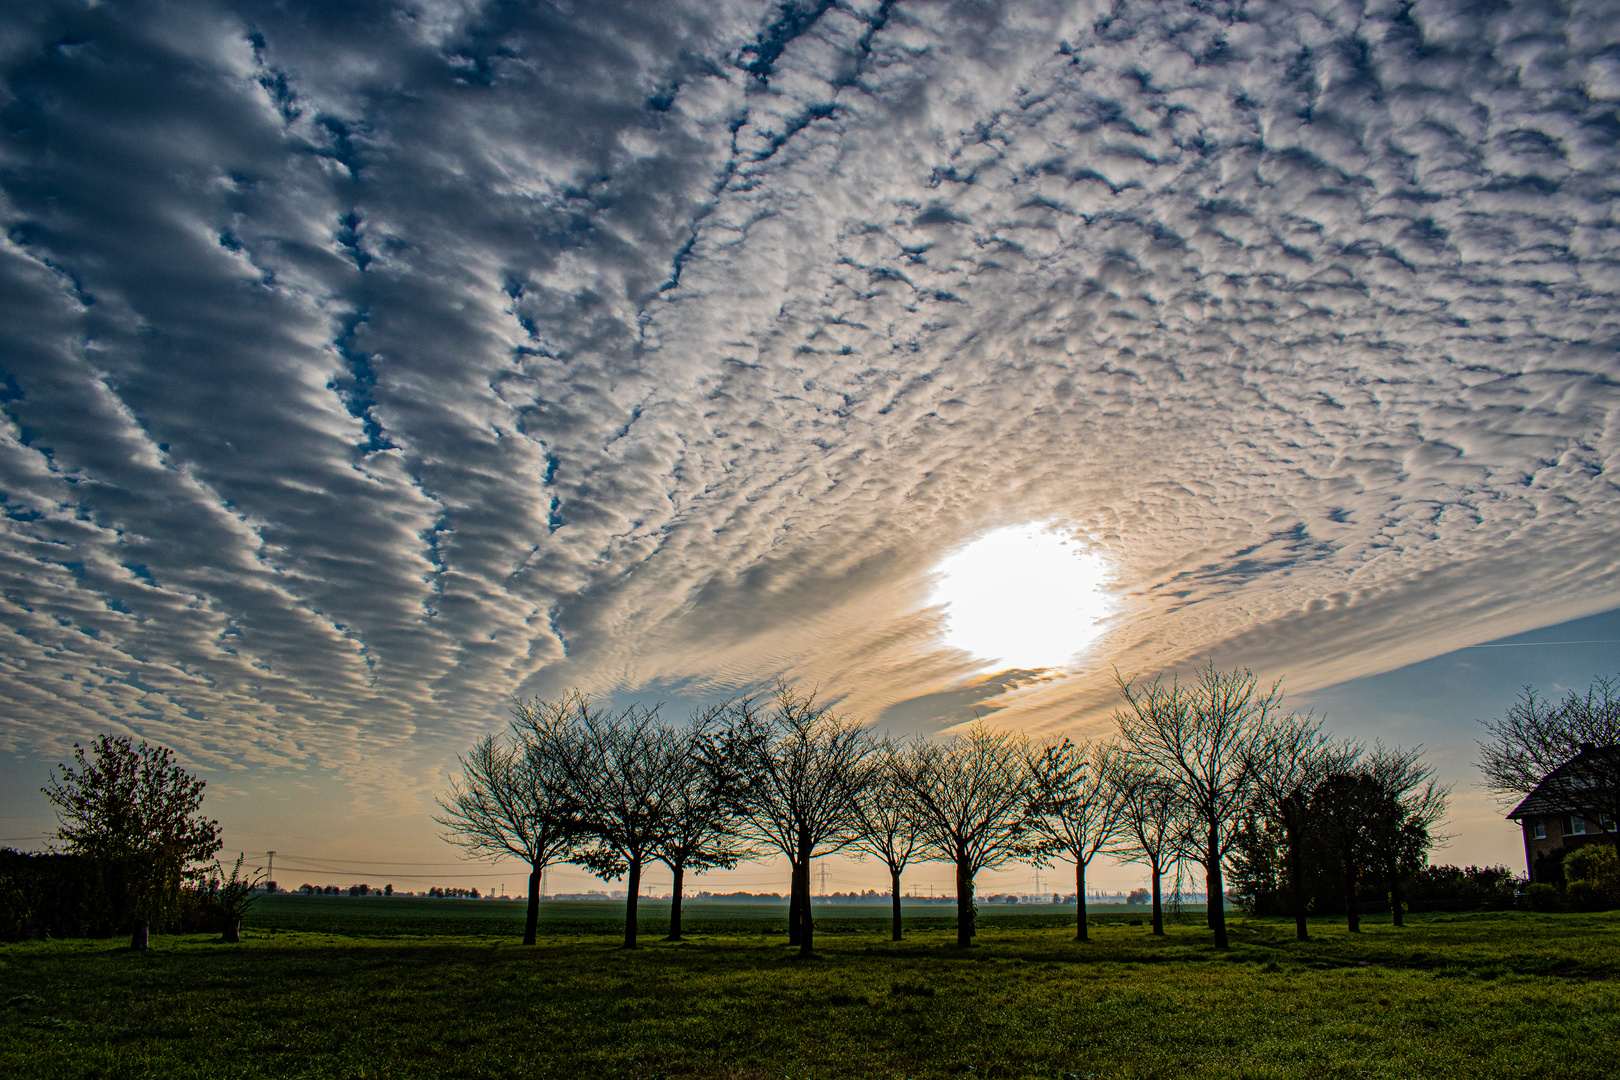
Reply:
x=1296, y=880
x=233, y=930
x=894, y=890
x=140, y=938
x=1215, y=889
x=796, y=904
x=1080, y=901
x=1395, y=913
x=679, y=870
x=1209, y=911
x=793, y=902
x=531, y=918
x=630, y=902
x=807, y=921
x=1352, y=915
x=964, y=905
x=1158, y=911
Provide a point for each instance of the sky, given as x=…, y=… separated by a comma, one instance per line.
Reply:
x=365, y=365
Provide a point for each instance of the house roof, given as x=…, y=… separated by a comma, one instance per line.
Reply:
x=1550, y=796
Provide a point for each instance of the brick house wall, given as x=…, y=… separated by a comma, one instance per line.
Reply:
x=1558, y=832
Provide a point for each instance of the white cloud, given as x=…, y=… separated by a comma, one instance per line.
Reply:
x=364, y=361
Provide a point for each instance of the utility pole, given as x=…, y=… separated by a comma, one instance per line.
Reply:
x=1038, y=889
x=270, y=875
x=823, y=879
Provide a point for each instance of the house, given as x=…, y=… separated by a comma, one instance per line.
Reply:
x=1573, y=805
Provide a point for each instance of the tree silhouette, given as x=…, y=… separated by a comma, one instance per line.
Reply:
x=1203, y=736
x=701, y=831
x=512, y=797
x=887, y=828
x=618, y=771
x=804, y=770
x=1289, y=761
x=1153, y=826
x=970, y=796
x=1569, y=754
x=1074, y=808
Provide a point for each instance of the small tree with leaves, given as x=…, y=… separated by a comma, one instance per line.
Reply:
x=1413, y=803
x=233, y=896
x=134, y=804
x=1289, y=760
x=1345, y=810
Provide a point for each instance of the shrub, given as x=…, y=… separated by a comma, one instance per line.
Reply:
x=1593, y=873
x=1593, y=862
x=53, y=895
x=1550, y=867
x=1586, y=896
x=1462, y=888
x=1543, y=897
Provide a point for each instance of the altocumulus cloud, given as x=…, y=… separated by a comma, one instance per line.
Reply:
x=364, y=364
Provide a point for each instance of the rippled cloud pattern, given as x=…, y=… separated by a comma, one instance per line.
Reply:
x=365, y=364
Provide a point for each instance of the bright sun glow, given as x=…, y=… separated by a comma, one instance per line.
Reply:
x=1023, y=597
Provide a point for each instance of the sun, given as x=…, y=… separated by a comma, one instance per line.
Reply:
x=1023, y=596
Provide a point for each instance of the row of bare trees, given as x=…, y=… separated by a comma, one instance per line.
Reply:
x=1198, y=768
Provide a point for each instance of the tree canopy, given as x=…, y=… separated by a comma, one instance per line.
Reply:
x=121, y=800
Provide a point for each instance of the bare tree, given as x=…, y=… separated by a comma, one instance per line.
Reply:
x=1570, y=752
x=511, y=799
x=887, y=828
x=1290, y=759
x=804, y=769
x=1153, y=826
x=1203, y=735
x=700, y=831
x=1074, y=808
x=970, y=795
x=617, y=770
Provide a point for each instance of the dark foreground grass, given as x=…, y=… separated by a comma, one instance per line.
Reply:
x=1504, y=995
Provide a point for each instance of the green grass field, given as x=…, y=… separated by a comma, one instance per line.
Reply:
x=1489, y=995
x=410, y=916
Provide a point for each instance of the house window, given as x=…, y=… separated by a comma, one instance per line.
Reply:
x=1539, y=830
x=1574, y=826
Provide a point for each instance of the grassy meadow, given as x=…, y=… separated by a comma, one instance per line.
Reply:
x=347, y=988
x=371, y=916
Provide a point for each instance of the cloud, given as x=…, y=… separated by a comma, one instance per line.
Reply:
x=366, y=365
